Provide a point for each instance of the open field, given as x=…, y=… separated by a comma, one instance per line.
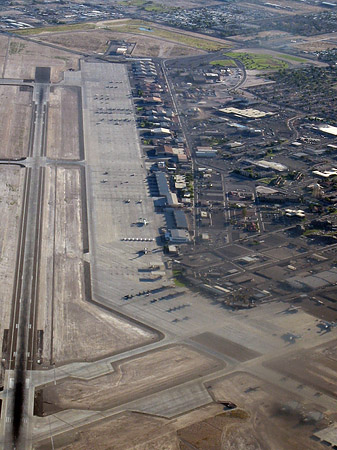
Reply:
x=147, y=28
x=96, y=41
x=140, y=27
x=22, y=64
x=15, y=111
x=289, y=7
x=11, y=188
x=147, y=5
x=185, y=4
x=80, y=331
x=316, y=367
x=122, y=431
x=51, y=29
x=147, y=373
x=147, y=46
x=316, y=43
x=4, y=40
x=264, y=423
x=224, y=63
x=83, y=41
x=64, y=127
x=256, y=61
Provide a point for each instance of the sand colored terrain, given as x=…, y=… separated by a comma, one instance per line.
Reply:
x=131, y=379
x=96, y=41
x=83, y=41
x=317, y=367
x=123, y=431
x=21, y=64
x=265, y=426
x=15, y=114
x=63, y=132
x=4, y=40
x=74, y=329
x=11, y=188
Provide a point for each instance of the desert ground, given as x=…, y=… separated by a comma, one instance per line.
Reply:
x=11, y=187
x=64, y=123
x=21, y=62
x=130, y=379
x=15, y=110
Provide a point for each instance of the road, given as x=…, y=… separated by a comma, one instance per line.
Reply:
x=22, y=335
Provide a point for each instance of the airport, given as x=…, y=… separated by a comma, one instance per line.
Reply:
x=141, y=298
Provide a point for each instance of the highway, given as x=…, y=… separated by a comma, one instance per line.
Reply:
x=22, y=337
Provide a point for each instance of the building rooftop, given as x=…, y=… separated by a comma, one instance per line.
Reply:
x=248, y=113
x=328, y=129
x=180, y=219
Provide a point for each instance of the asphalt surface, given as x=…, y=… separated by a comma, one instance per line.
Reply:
x=22, y=335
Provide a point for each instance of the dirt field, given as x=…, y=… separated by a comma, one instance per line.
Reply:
x=22, y=62
x=314, y=367
x=169, y=34
x=84, y=41
x=316, y=43
x=81, y=331
x=123, y=431
x=131, y=378
x=295, y=7
x=265, y=419
x=161, y=48
x=15, y=112
x=11, y=188
x=3, y=51
x=63, y=138
x=96, y=41
x=266, y=426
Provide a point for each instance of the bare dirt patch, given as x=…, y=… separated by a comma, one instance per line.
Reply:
x=11, y=188
x=74, y=329
x=4, y=40
x=96, y=41
x=264, y=423
x=145, y=374
x=63, y=134
x=123, y=431
x=162, y=49
x=22, y=64
x=315, y=367
x=84, y=41
x=15, y=112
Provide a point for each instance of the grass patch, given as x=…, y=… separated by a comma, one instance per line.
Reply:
x=178, y=283
x=177, y=278
x=255, y=61
x=291, y=58
x=237, y=414
x=57, y=28
x=224, y=63
x=16, y=47
x=147, y=5
x=132, y=26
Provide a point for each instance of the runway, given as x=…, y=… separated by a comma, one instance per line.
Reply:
x=22, y=336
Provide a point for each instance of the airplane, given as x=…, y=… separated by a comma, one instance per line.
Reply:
x=143, y=221
x=325, y=325
x=252, y=389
